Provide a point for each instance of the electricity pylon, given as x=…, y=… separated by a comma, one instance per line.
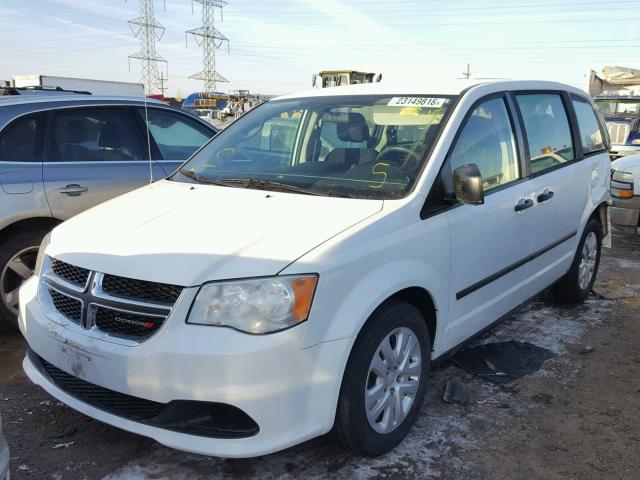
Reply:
x=210, y=39
x=146, y=28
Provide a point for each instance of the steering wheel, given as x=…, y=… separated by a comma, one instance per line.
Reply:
x=403, y=156
x=231, y=153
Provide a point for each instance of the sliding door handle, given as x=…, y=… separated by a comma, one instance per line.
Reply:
x=544, y=196
x=523, y=204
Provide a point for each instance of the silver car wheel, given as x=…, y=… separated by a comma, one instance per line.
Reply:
x=393, y=380
x=19, y=269
x=588, y=261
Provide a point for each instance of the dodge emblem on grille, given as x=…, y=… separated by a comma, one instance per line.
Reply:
x=130, y=321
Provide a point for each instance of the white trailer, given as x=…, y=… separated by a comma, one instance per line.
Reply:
x=96, y=87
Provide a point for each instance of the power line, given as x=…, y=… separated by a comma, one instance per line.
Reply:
x=460, y=10
x=453, y=24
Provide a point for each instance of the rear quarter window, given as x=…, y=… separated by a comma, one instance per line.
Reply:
x=590, y=132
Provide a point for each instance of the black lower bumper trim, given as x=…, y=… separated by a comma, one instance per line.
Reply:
x=205, y=419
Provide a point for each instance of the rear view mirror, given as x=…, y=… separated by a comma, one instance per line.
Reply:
x=467, y=184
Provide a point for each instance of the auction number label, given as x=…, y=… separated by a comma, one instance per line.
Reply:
x=428, y=102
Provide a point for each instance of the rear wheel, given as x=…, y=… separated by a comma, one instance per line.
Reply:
x=578, y=281
x=385, y=380
x=18, y=254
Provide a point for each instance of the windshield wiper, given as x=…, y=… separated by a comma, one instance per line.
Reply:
x=193, y=176
x=264, y=184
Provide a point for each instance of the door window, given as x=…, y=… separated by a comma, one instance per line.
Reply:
x=176, y=135
x=487, y=140
x=21, y=141
x=95, y=135
x=590, y=133
x=547, y=127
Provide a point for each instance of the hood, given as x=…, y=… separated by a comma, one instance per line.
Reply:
x=629, y=163
x=186, y=234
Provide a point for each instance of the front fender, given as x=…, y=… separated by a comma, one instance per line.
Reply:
x=368, y=269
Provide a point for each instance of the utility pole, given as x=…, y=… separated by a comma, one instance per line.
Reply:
x=467, y=73
x=210, y=39
x=146, y=28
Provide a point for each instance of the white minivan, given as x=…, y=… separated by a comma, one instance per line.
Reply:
x=302, y=271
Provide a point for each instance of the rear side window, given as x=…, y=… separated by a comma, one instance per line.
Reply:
x=21, y=141
x=95, y=135
x=590, y=133
x=176, y=135
x=487, y=140
x=547, y=128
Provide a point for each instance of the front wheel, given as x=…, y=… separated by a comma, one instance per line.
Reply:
x=578, y=281
x=18, y=254
x=385, y=380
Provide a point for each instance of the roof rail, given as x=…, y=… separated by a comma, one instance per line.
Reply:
x=16, y=90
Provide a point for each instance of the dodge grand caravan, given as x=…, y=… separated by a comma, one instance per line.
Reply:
x=286, y=282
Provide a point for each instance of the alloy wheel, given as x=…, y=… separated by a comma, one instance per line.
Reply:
x=392, y=380
x=588, y=261
x=17, y=270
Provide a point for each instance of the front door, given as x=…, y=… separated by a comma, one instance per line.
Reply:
x=93, y=155
x=491, y=242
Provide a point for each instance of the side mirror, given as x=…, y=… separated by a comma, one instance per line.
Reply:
x=467, y=184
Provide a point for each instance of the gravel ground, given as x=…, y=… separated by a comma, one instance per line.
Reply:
x=576, y=418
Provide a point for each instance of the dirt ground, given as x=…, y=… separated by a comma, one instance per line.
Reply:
x=576, y=418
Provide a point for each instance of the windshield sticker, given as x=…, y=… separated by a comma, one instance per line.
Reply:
x=427, y=102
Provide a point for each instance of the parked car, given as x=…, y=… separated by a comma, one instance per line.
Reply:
x=4, y=455
x=318, y=291
x=61, y=154
x=625, y=190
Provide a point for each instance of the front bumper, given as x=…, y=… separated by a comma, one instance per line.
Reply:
x=290, y=392
x=626, y=211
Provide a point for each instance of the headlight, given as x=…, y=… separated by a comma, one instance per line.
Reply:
x=622, y=176
x=40, y=257
x=261, y=305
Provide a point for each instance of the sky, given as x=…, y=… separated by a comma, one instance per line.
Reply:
x=277, y=45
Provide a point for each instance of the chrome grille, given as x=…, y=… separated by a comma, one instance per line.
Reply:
x=141, y=290
x=67, y=306
x=619, y=132
x=113, y=308
x=70, y=273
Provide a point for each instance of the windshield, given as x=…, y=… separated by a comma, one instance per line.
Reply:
x=619, y=106
x=360, y=147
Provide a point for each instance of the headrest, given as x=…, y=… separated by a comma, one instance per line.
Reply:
x=75, y=132
x=355, y=129
x=111, y=136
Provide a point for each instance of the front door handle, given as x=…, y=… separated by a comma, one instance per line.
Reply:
x=73, y=190
x=544, y=196
x=523, y=204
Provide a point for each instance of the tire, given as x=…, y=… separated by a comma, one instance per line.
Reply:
x=353, y=427
x=22, y=246
x=573, y=288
